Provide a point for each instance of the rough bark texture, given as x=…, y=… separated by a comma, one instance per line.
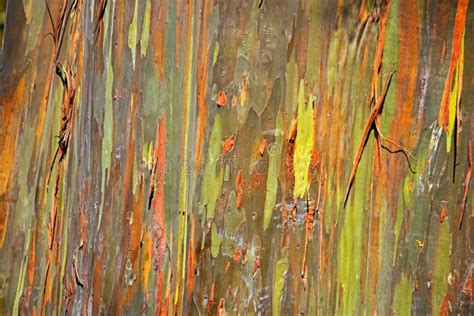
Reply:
x=236, y=157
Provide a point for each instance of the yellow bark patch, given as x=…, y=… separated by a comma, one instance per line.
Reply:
x=303, y=143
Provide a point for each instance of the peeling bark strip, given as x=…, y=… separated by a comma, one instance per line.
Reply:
x=215, y=157
x=371, y=124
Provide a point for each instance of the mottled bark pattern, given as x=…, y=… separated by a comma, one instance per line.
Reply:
x=236, y=157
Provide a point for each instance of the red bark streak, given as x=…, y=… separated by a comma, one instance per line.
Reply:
x=379, y=51
x=459, y=25
x=157, y=209
x=256, y=264
x=228, y=144
x=192, y=261
x=238, y=189
x=442, y=214
x=221, y=308
x=262, y=147
x=221, y=98
x=211, y=297
x=158, y=37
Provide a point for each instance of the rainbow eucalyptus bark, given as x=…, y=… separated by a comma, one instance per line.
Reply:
x=233, y=157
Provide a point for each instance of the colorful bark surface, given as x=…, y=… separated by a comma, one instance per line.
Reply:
x=236, y=157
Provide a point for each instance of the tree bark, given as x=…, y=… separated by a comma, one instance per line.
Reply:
x=234, y=157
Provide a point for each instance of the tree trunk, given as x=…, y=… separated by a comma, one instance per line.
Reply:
x=234, y=157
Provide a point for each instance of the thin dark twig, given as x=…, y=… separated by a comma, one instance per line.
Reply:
x=404, y=154
x=64, y=21
x=50, y=16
